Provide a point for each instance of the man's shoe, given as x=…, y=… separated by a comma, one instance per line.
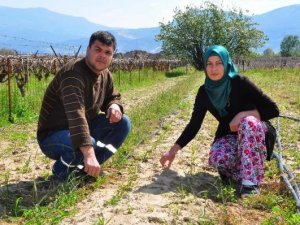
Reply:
x=247, y=190
x=80, y=175
x=51, y=182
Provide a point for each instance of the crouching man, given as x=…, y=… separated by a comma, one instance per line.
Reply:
x=82, y=122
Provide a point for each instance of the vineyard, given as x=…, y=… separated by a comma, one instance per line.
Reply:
x=264, y=62
x=28, y=76
x=22, y=77
x=158, y=96
x=21, y=67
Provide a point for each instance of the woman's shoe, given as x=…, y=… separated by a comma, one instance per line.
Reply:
x=248, y=190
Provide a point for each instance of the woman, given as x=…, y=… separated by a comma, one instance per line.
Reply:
x=239, y=150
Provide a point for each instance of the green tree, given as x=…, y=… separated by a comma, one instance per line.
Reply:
x=194, y=29
x=289, y=45
x=268, y=52
x=296, y=51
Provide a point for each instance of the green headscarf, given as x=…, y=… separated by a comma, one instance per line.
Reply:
x=219, y=91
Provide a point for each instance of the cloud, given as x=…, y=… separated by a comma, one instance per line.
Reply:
x=137, y=13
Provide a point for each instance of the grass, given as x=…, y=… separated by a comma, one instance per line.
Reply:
x=227, y=194
x=56, y=210
x=146, y=119
x=283, y=88
x=149, y=115
x=124, y=187
x=128, y=81
x=282, y=85
x=26, y=109
x=102, y=221
x=281, y=216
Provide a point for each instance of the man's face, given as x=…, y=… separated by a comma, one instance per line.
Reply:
x=99, y=56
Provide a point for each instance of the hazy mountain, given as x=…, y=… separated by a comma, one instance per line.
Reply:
x=29, y=30
x=278, y=23
x=51, y=25
x=127, y=40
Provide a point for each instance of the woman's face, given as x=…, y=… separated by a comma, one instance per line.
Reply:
x=215, y=68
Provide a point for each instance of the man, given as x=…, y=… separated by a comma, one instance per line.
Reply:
x=81, y=122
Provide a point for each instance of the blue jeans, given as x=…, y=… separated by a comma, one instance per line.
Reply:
x=58, y=145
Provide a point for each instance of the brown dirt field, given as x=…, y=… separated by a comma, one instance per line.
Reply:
x=187, y=193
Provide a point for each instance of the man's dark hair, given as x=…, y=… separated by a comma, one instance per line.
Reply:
x=104, y=37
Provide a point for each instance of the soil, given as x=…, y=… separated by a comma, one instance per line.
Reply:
x=187, y=193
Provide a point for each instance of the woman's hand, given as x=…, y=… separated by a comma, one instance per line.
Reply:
x=235, y=122
x=168, y=157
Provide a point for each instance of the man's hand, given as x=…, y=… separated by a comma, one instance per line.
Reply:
x=114, y=113
x=167, y=158
x=91, y=164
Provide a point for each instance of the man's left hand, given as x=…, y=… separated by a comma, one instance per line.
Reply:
x=114, y=113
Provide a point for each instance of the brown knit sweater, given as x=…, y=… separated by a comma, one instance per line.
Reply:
x=73, y=99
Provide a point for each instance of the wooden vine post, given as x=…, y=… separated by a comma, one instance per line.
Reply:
x=10, y=118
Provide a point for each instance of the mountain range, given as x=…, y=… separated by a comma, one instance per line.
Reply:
x=35, y=29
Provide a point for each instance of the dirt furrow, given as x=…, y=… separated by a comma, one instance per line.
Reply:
x=143, y=193
x=147, y=190
x=25, y=163
x=20, y=165
x=140, y=96
x=185, y=193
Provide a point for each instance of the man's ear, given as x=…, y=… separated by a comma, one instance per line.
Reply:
x=87, y=49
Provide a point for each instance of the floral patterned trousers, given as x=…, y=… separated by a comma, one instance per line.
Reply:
x=241, y=156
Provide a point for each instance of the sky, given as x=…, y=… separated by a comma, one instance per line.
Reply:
x=139, y=13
